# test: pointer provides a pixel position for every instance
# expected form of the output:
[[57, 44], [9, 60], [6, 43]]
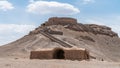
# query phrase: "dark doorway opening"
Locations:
[[58, 54]]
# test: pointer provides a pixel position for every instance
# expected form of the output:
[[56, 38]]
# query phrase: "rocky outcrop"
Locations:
[[72, 24], [99, 29]]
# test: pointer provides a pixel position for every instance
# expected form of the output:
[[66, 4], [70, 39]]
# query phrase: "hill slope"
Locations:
[[101, 42]]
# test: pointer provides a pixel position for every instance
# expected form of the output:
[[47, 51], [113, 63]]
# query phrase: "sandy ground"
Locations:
[[26, 63]]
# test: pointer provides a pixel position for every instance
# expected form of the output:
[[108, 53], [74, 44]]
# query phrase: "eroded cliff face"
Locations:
[[72, 24]]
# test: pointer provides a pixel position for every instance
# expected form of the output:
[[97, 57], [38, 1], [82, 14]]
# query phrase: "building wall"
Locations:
[[68, 54], [41, 55], [75, 54]]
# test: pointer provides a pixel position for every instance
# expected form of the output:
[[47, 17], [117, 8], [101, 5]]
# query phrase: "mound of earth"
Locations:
[[99, 40]]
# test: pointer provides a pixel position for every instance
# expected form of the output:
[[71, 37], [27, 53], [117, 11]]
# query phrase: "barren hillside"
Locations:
[[99, 40]]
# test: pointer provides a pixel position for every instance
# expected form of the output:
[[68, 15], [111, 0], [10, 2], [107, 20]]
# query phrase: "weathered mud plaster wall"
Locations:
[[60, 53]]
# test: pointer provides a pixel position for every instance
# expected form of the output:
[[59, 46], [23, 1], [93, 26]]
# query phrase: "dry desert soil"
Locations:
[[26, 63]]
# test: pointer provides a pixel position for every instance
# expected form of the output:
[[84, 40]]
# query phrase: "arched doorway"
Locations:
[[58, 54]]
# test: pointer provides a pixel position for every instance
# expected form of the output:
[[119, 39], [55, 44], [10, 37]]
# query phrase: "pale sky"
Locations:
[[18, 17]]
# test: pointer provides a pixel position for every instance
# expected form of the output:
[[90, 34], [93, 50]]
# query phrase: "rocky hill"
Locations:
[[99, 40], [72, 24]]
